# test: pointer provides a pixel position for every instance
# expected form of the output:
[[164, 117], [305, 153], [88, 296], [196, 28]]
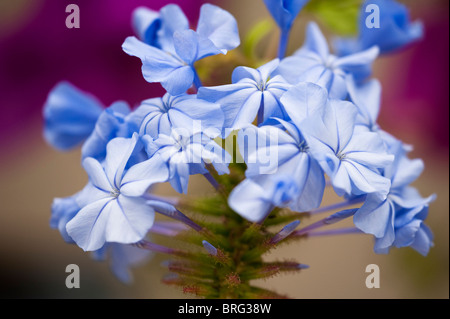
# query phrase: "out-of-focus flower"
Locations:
[[121, 259], [395, 30], [70, 116], [397, 220]]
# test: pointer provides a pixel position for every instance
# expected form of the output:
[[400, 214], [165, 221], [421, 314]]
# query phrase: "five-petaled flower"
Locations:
[[113, 209]]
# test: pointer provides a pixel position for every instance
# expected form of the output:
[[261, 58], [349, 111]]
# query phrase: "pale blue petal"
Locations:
[[173, 19], [219, 26], [248, 111], [242, 72], [313, 190], [89, 226], [267, 69], [375, 215], [315, 42], [129, 220], [118, 153], [423, 240], [209, 114], [247, 200], [141, 176], [365, 180], [303, 100], [110, 124], [186, 45], [97, 175], [159, 66], [340, 117], [367, 97]]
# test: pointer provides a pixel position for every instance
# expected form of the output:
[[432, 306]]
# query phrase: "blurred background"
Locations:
[[37, 51]]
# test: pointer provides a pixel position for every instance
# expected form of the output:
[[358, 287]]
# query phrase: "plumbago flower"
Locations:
[[253, 93], [216, 34], [301, 123], [397, 220], [113, 207]]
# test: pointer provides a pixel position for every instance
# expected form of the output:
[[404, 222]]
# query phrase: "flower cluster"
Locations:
[[303, 124]]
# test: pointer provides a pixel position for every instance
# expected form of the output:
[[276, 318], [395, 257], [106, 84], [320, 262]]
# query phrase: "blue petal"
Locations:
[[119, 151], [231, 99], [219, 26], [313, 189], [172, 20], [158, 66], [303, 100], [247, 200], [423, 240], [315, 42], [367, 97], [110, 124], [129, 220], [141, 176], [88, 227], [70, 116], [375, 215], [97, 175], [146, 23]]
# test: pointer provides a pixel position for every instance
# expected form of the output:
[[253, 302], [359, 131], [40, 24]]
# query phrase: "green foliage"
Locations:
[[241, 247], [341, 16]]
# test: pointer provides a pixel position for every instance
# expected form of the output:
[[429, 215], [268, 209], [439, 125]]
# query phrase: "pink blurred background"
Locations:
[[37, 51]]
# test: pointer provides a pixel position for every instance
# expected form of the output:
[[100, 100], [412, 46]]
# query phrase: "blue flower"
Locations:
[[351, 159], [113, 122], [160, 115], [272, 151], [395, 31], [216, 34], [186, 155], [314, 63], [252, 93], [255, 198], [70, 116], [397, 220], [121, 258], [112, 206]]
